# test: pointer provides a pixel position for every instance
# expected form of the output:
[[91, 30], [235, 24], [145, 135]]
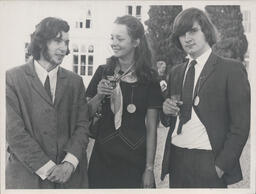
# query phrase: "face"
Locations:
[[122, 44], [193, 42], [56, 49], [162, 68]]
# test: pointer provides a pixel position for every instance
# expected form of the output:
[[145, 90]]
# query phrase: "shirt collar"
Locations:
[[201, 60], [42, 73]]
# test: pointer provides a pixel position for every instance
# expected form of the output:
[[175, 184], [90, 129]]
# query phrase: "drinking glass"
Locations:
[[112, 80], [177, 99]]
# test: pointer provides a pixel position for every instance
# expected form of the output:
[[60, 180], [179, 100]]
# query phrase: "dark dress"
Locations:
[[119, 156]]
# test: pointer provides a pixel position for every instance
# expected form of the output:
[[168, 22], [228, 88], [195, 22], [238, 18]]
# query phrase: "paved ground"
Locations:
[[161, 136]]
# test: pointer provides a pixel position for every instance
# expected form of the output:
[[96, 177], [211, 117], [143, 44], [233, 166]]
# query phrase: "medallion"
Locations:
[[196, 101], [131, 108]]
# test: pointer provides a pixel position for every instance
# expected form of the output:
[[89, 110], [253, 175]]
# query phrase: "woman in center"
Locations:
[[129, 97]]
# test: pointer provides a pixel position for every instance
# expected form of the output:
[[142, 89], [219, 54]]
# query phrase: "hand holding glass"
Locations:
[[112, 80], [176, 99]]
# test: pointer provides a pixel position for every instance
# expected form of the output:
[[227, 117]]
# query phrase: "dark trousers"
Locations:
[[193, 168]]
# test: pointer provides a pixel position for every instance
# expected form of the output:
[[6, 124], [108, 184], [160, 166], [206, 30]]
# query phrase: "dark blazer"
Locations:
[[38, 130], [224, 109]]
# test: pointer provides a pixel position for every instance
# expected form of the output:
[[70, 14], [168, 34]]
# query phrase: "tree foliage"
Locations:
[[159, 31], [228, 21]]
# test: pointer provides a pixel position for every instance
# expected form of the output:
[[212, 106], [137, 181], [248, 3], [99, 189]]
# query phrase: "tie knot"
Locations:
[[192, 63]]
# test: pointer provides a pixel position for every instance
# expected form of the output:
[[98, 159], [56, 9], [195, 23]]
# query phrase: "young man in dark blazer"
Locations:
[[46, 116], [209, 125]]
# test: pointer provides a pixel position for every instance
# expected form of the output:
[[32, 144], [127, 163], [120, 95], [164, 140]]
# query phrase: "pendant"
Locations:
[[131, 108], [196, 101]]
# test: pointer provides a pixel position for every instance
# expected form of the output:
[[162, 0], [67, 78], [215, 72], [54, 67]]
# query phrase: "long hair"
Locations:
[[184, 22], [46, 30], [142, 56]]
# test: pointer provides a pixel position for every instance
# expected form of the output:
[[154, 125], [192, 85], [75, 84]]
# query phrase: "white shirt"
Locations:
[[42, 75], [193, 135]]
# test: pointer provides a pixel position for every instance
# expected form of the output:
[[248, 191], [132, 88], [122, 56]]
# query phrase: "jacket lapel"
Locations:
[[35, 82], [208, 69], [178, 78], [61, 86]]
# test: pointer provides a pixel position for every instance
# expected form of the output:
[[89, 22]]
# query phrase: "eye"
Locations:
[[58, 40], [193, 30]]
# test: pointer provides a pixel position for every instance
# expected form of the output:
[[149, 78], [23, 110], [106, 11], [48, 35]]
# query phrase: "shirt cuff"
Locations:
[[71, 159], [43, 172]]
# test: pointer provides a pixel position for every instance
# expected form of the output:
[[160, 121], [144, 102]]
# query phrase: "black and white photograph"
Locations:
[[115, 96]]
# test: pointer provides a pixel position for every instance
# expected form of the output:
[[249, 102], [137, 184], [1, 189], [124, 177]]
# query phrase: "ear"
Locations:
[[136, 43]]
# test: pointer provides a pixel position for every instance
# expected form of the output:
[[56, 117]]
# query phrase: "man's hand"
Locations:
[[219, 171], [61, 173], [148, 179], [170, 107]]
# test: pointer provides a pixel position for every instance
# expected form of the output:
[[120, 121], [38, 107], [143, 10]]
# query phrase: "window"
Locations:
[[82, 69], [75, 59], [90, 60], [129, 10], [83, 59], [90, 70], [87, 23], [75, 69], [138, 10], [89, 13], [91, 49], [81, 24], [83, 63]]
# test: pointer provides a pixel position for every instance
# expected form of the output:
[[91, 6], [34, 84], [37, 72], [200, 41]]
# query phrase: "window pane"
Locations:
[[89, 14], [88, 23], [82, 70], [138, 10], [130, 10], [81, 24], [90, 49], [75, 59], [83, 59], [90, 70], [75, 69], [90, 60]]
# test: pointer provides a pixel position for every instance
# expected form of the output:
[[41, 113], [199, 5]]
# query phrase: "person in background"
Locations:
[[162, 75], [46, 116], [207, 110], [127, 90]]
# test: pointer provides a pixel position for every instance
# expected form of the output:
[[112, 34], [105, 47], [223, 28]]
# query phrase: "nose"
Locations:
[[113, 42], [187, 37]]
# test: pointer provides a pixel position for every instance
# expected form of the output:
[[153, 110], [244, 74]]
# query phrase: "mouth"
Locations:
[[60, 55], [190, 46], [115, 49]]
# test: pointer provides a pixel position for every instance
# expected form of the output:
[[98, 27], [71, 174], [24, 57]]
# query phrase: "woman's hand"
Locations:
[[104, 88], [148, 179]]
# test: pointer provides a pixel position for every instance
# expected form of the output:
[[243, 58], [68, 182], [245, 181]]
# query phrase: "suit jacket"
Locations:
[[38, 130], [224, 109]]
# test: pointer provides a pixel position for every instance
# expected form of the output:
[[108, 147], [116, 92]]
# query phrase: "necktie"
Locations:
[[48, 87], [187, 92]]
